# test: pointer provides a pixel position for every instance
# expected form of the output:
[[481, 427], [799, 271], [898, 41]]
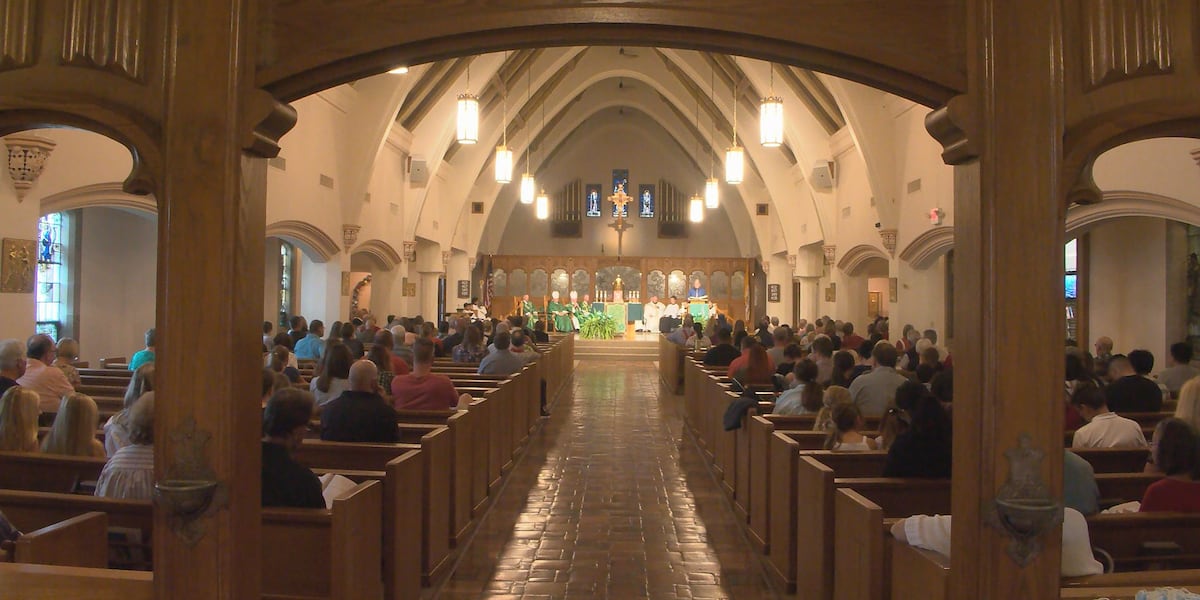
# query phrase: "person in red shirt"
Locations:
[[384, 338], [1173, 454], [422, 389], [850, 340], [753, 367]]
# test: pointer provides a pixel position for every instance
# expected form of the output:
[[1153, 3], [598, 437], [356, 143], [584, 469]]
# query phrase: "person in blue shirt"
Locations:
[[312, 346], [145, 355]]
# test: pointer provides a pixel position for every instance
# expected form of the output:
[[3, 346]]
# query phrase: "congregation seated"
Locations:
[[753, 367], [268, 327], [1080, 491], [284, 340], [471, 349], [791, 355], [1188, 407], [521, 345], [333, 374], [874, 391], [821, 353], [781, 337], [74, 430], [68, 354], [129, 474], [398, 366], [1179, 368], [684, 334], [501, 360], [357, 350], [429, 332], [832, 396], [382, 359], [19, 420], [400, 348], [845, 434], [145, 355], [298, 328], [722, 353], [116, 430], [454, 336], [539, 333], [925, 449], [1173, 454], [1104, 429], [1131, 390], [49, 383], [311, 346], [933, 533], [286, 482], [360, 414], [422, 388], [279, 364], [12, 363], [806, 397]]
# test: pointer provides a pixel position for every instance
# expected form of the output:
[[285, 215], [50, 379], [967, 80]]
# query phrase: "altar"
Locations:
[[624, 313]]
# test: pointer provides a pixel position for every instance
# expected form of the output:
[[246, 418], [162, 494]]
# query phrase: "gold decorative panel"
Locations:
[[18, 33], [106, 34], [17, 265], [1125, 39]]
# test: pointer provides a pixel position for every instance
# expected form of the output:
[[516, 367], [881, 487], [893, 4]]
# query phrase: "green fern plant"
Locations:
[[598, 326]]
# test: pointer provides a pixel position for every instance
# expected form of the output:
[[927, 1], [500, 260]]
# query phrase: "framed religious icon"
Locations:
[[773, 291], [620, 179], [592, 198], [19, 261], [646, 201], [831, 293], [464, 288]]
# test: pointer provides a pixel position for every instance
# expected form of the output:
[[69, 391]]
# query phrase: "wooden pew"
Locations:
[[1114, 460], [310, 537], [80, 541], [46, 472], [46, 582]]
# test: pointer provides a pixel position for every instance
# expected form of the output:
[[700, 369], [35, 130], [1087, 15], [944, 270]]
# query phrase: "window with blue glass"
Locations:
[[51, 274], [287, 275]]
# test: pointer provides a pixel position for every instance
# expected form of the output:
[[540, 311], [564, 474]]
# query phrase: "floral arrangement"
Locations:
[[597, 326]]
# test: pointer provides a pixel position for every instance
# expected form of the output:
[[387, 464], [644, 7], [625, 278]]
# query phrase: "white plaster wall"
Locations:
[[1135, 290], [646, 151], [310, 151], [117, 275], [1162, 166], [922, 298]]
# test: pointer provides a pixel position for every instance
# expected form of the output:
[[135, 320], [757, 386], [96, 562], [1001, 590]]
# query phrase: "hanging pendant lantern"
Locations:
[[542, 208], [528, 187], [504, 164], [735, 164], [696, 209], [468, 118], [770, 119], [712, 193]]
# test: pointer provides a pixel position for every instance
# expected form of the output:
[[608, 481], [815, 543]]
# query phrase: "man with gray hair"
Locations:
[[41, 376], [12, 364], [400, 349]]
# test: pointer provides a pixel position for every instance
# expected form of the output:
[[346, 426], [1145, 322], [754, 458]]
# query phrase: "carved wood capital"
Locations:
[[955, 127], [268, 120]]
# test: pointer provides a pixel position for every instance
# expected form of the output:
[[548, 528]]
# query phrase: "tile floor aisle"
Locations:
[[611, 501]]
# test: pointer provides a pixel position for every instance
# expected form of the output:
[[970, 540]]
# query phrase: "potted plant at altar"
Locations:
[[597, 326]]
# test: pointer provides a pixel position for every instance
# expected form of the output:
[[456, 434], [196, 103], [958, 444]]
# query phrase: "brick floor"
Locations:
[[611, 501]]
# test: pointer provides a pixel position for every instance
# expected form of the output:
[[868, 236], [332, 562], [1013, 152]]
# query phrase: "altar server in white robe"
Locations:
[[651, 313]]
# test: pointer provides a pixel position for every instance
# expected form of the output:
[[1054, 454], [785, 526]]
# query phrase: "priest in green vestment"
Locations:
[[558, 311], [528, 311], [584, 308]]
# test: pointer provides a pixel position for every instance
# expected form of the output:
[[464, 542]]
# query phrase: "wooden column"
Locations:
[[210, 289], [1008, 317]]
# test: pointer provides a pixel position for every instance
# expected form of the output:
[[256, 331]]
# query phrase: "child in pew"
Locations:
[[19, 420], [806, 397], [129, 474], [933, 533], [1173, 453], [116, 430], [286, 482], [834, 395], [845, 436], [74, 430]]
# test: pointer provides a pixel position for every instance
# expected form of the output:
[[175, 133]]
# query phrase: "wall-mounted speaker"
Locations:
[[823, 175], [418, 169]]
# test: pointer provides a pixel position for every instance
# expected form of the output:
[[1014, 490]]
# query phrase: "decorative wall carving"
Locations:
[[889, 240], [445, 258], [1196, 156], [27, 155], [16, 266], [830, 252], [105, 34], [410, 251], [1126, 38], [791, 260], [18, 29], [350, 235]]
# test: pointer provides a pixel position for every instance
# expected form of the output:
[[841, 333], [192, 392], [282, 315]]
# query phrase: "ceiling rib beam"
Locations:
[[436, 92]]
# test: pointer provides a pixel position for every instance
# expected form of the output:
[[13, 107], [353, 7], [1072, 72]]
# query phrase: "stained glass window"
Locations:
[[51, 274], [287, 273]]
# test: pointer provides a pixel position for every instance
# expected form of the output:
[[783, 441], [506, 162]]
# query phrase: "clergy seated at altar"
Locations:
[[652, 314], [558, 311], [528, 312], [671, 314]]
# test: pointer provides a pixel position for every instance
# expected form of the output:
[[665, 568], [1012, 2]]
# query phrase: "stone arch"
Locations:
[[110, 195], [853, 262], [928, 247], [316, 244], [382, 252], [1127, 203]]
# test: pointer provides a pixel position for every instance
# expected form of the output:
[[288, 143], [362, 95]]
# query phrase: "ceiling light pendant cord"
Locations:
[[712, 130]]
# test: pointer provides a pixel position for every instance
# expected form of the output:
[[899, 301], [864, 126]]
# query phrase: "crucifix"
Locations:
[[620, 200]]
